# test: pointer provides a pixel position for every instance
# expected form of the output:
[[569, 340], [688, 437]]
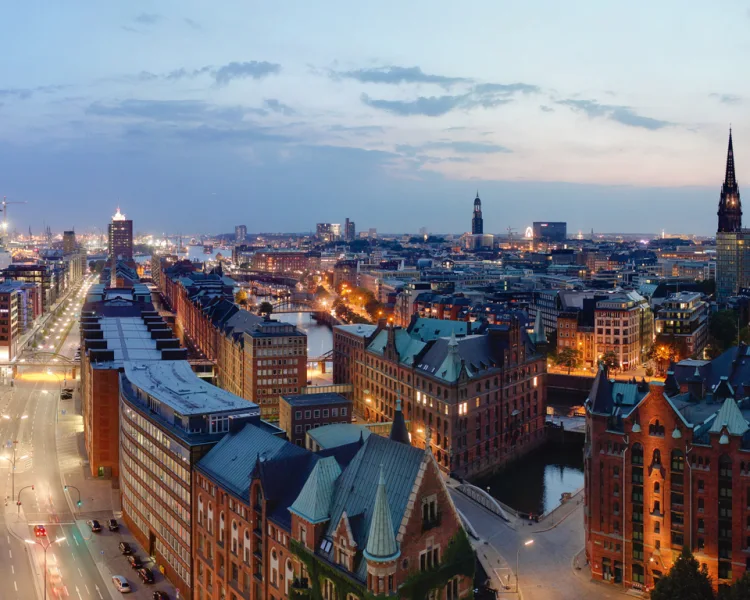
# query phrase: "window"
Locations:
[[656, 460], [298, 414], [334, 412], [343, 412], [316, 413], [325, 413], [308, 414]]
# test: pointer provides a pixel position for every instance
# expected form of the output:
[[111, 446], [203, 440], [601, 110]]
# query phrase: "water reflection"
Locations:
[[535, 482], [319, 337]]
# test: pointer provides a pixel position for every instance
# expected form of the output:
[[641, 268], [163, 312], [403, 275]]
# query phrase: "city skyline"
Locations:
[[185, 107]]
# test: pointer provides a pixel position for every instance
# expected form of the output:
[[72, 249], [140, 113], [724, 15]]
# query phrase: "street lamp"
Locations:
[[45, 547], [518, 559], [56, 376], [12, 460]]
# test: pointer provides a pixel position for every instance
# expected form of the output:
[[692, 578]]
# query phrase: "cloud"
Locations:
[[222, 75], [148, 18], [620, 114], [505, 89], [130, 29], [727, 98], [243, 70], [26, 93], [192, 24], [359, 129], [544, 108], [396, 75], [184, 111], [276, 106], [460, 147]]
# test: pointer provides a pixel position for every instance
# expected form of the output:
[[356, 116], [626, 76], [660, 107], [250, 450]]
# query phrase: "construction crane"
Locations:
[[5, 212]]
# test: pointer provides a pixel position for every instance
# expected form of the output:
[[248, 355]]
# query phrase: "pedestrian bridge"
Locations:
[[484, 499]]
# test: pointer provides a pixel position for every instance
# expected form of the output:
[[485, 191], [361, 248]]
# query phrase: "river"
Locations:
[[319, 337]]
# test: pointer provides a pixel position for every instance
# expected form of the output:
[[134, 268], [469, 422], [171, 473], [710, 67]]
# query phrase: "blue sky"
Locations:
[[198, 116]]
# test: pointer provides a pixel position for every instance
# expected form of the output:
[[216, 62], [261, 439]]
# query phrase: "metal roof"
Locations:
[[314, 501], [338, 434]]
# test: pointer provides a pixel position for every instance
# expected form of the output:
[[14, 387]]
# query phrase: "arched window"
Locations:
[[210, 518], [329, 590], [656, 460], [274, 568], [235, 537], [221, 527], [246, 547], [288, 575], [200, 510], [657, 487], [616, 489]]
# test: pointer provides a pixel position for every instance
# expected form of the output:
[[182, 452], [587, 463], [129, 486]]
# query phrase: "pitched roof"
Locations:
[[314, 501], [338, 434], [381, 539], [729, 416]]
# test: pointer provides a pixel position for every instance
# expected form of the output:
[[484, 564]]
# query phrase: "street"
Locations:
[[79, 563], [546, 565]]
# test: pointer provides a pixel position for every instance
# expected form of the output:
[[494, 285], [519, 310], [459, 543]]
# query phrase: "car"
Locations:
[[40, 531], [95, 526], [146, 575], [113, 525], [59, 590], [159, 595], [121, 584], [125, 548], [65, 396], [134, 562], [53, 574]]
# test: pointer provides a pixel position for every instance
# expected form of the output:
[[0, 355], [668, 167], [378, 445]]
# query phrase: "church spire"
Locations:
[[730, 207]]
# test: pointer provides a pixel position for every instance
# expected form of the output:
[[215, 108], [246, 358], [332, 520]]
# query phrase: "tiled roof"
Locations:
[[314, 501], [232, 461]]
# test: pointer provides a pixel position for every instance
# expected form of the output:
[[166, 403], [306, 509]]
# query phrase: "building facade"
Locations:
[[625, 326], [477, 222], [240, 233], [474, 393], [11, 304], [547, 231], [300, 413], [120, 236], [280, 261], [665, 468], [350, 231], [682, 325]]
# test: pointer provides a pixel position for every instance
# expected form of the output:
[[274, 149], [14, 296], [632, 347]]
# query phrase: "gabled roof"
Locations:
[[729, 416], [314, 501]]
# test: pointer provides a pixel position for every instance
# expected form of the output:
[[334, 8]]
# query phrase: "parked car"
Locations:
[[134, 562], [113, 525], [159, 595], [121, 584], [95, 526], [146, 575], [126, 548]]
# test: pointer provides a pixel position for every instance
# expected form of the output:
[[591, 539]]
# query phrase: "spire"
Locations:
[[381, 540], [729, 178], [540, 335], [399, 433]]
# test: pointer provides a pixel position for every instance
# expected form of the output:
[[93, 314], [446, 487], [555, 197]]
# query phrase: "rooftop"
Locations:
[[315, 399], [174, 383], [129, 339], [338, 434]]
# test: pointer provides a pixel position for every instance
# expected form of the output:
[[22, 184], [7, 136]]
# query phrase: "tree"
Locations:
[[610, 360], [722, 329], [241, 297], [739, 590], [685, 580], [569, 358], [265, 308]]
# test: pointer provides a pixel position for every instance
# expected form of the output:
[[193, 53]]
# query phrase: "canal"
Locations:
[[535, 483], [319, 337]]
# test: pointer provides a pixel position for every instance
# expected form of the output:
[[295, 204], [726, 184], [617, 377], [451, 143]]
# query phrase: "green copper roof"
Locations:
[[729, 415], [381, 541], [314, 501]]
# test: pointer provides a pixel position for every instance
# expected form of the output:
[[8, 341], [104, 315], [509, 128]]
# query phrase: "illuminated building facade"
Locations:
[[120, 233]]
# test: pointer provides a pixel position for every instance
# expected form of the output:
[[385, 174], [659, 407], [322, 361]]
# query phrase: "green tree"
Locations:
[[265, 308], [739, 590], [569, 358], [685, 580], [722, 329], [610, 360]]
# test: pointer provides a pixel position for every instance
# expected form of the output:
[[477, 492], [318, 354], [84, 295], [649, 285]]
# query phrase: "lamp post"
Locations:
[[56, 376], [518, 559], [69, 487], [45, 547], [12, 460]]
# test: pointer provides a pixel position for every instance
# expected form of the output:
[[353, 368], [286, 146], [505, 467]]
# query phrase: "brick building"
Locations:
[[282, 261], [300, 413], [371, 517], [480, 389], [666, 467]]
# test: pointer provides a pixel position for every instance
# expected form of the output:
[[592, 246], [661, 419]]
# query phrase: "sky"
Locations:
[[197, 116]]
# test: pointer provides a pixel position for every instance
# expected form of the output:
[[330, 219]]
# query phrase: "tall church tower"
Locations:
[[477, 222], [730, 207]]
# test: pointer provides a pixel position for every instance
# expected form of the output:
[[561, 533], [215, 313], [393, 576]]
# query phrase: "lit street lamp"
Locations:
[[518, 558], [45, 547]]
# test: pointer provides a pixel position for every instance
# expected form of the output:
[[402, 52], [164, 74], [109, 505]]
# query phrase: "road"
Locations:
[[546, 566]]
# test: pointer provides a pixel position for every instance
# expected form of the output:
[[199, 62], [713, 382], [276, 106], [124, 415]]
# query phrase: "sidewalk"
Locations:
[[582, 570], [554, 518], [501, 574]]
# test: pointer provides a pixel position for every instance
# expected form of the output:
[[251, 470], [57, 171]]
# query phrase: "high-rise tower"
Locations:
[[730, 208], [120, 232], [477, 222]]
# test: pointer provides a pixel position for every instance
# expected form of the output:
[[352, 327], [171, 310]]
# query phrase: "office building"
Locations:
[[732, 252], [240, 233], [324, 232], [70, 246], [624, 325], [11, 302], [281, 261], [169, 420], [350, 232], [346, 272], [299, 413], [477, 222], [682, 325], [666, 468], [120, 234], [546, 231], [38, 274], [474, 393]]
